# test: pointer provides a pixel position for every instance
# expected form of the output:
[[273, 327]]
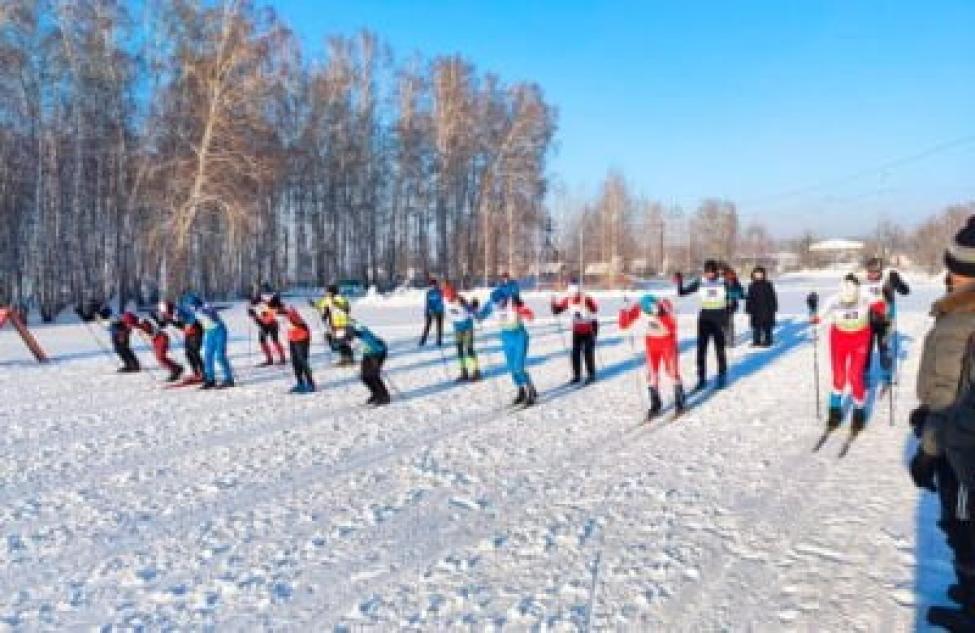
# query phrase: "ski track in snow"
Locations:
[[127, 505]]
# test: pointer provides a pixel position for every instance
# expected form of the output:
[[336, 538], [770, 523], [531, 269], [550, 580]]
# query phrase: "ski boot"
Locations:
[[834, 419], [531, 396], [590, 380], [299, 388], [655, 404], [267, 363], [310, 387], [175, 373], [464, 377], [722, 381], [373, 398], [476, 375], [575, 380], [680, 400], [521, 397], [227, 383], [702, 383], [859, 420], [208, 384]]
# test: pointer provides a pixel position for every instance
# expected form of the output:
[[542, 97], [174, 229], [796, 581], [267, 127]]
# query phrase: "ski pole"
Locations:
[[98, 341], [893, 369], [812, 301]]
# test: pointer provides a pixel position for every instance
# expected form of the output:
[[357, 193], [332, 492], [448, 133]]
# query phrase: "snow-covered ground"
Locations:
[[129, 505]]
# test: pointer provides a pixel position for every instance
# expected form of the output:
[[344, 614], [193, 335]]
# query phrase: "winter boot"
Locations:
[[227, 383], [680, 400], [532, 395], [575, 380], [702, 383], [476, 375], [655, 404], [859, 420], [268, 359], [175, 373], [591, 379], [722, 381], [208, 384], [299, 388], [834, 419], [521, 397], [464, 377]]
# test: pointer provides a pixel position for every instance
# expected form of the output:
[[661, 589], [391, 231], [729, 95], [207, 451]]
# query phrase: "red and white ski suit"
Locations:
[[849, 340], [660, 339]]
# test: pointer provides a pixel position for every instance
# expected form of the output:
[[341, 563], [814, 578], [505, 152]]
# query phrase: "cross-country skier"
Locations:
[[167, 313], [660, 339], [848, 317], [714, 296], [761, 304], [263, 309], [461, 315], [512, 313], [735, 293], [433, 312], [945, 458], [373, 351], [160, 347], [585, 328], [119, 330], [299, 344], [214, 341], [335, 311], [882, 291]]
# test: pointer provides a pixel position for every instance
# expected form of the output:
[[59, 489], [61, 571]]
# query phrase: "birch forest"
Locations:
[[151, 147]]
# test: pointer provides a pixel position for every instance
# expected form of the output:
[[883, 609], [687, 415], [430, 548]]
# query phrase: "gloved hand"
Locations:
[[894, 278], [919, 417], [922, 470], [251, 312], [679, 278]]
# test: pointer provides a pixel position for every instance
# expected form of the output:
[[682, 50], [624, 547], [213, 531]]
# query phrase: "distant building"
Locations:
[[837, 252]]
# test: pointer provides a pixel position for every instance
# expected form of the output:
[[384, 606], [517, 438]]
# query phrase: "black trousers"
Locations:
[[879, 338], [429, 319], [340, 342], [267, 331], [762, 333], [193, 344], [299, 362], [372, 367], [583, 346], [120, 343], [708, 330]]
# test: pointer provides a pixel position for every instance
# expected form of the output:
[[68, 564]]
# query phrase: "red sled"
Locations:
[[8, 315]]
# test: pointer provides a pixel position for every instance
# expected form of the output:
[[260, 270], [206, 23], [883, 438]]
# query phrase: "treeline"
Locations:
[[150, 147]]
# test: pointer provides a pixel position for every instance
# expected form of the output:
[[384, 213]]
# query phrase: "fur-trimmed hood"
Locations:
[[961, 299]]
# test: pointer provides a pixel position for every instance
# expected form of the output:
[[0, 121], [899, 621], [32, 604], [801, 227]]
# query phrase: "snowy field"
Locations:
[[127, 505]]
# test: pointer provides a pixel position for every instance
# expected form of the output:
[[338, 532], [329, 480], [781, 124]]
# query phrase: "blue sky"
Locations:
[[790, 108]]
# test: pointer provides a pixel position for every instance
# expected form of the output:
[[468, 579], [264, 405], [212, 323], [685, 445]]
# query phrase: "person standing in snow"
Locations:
[[373, 350], [585, 326], [512, 314], [882, 291], [160, 347], [433, 312], [299, 344], [945, 458], [848, 317], [461, 315], [336, 313], [263, 309], [761, 304], [167, 313], [735, 294], [214, 341], [660, 340], [712, 320], [119, 330]]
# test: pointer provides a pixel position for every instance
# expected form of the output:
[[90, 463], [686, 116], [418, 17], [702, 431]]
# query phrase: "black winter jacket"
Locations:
[[761, 303]]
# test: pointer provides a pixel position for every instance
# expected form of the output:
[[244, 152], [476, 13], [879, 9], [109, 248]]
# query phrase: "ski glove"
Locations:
[[919, 417], [923, 469]]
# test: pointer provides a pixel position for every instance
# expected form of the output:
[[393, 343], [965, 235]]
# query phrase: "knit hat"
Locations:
[[960, 254]]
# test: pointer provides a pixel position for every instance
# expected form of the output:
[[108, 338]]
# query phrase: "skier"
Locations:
[[168, 313], [433, 312], [461, 315], [735, 294], [263, 310], [119, 330], [942, 378], [214, 341], [660, 340], [882, 293], [512, 313], [299, 344], [335, 311], [160, 347], [712, 319], [373, 350], [585, 328], [761, 304], [848, 316]]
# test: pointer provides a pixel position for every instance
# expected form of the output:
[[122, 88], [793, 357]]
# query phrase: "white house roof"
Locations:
[[837, 245]]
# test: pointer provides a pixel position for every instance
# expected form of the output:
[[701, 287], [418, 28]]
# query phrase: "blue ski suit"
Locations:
[[214, 338], [514, 336]]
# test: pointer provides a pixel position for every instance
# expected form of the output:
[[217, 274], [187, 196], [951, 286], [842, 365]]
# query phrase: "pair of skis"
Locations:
[[848, 443]]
